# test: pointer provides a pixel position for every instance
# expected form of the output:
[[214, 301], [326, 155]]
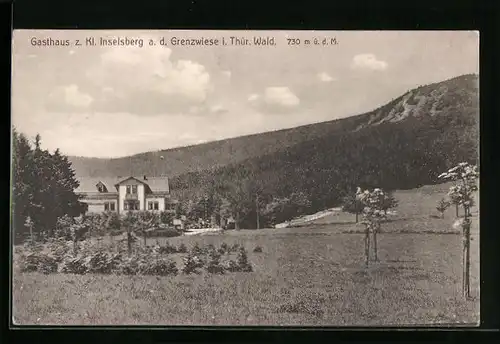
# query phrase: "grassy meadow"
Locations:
[[308, 276]]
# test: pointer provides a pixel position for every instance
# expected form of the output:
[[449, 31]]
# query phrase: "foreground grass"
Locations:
[[302, 277]]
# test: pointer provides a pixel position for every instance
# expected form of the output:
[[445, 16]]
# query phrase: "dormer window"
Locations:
[[101, 187], [134, 189], [129, 188]]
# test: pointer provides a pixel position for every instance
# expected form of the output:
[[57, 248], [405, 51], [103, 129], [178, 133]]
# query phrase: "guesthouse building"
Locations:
[[125, 194]]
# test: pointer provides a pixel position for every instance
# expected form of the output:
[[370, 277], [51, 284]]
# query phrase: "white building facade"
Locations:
[[126, 194]]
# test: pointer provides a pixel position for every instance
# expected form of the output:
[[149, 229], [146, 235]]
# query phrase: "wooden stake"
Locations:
[[367, 246], [375, 244], [257, 210]]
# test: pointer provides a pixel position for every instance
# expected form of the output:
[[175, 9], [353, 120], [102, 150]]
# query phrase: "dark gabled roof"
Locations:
[[157, 184], [89, 184], [120, 181]]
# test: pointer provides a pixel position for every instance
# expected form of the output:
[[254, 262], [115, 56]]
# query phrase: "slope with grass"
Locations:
[[304, 276]]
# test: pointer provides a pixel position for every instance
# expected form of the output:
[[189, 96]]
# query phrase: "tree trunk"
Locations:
[[257, 210], [32, 237], [129, 242], [144, 237], [375, 244], [466, 271], [456, 209], [356, 217], [367, 246], [237, 222], [112, 242]]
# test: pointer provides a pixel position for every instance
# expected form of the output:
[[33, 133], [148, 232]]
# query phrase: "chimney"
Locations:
[[145, 178]]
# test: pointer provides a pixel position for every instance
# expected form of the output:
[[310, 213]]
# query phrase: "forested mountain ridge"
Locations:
[[389, 148], [440, 99], [403, 144], [209, 155]]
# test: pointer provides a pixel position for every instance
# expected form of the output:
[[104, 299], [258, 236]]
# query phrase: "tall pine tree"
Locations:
[[43, 187], [21, 187]]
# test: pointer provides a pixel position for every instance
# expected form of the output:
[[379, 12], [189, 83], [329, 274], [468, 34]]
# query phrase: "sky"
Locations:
[[102, 101]]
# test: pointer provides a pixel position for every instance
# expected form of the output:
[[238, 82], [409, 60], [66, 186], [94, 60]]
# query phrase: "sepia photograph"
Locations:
[[245, 178]]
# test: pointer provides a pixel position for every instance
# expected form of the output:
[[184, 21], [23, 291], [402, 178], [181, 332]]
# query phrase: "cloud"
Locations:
[[281, 96], [218, 109], [253, 97], [227, 73], [274, 100], [64, 97], [325, 77], [368, 62], [148, 81], [71, 52]]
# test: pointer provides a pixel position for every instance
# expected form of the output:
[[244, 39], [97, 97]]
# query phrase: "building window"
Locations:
[[153, 205], [101, 188], [131, 205], [134, 189], [128, 189], [109, 206]]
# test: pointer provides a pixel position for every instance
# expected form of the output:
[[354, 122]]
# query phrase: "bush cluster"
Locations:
[[210, 258], [38, 261], [149, 260]]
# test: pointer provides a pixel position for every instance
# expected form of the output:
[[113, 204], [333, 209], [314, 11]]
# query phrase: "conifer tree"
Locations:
[[43, 186]]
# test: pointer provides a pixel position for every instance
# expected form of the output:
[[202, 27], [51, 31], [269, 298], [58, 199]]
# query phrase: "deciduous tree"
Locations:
[[464, 177]]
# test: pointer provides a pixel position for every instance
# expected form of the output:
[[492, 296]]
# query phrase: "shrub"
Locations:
[[235, 248], [63, 227], [158, 267], [224, 248], [196, 250], [59, 248], [242, 261], [167, 218], [113, 223], [351, 204], [257, 249], [129, 266], [442, 206], [209, 248], [182, 248], [28, 247], [115, 232], [37, 261], [231, 266], [103, 262], [167, 249], [213, 263], [191, 264], [73, 265]]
